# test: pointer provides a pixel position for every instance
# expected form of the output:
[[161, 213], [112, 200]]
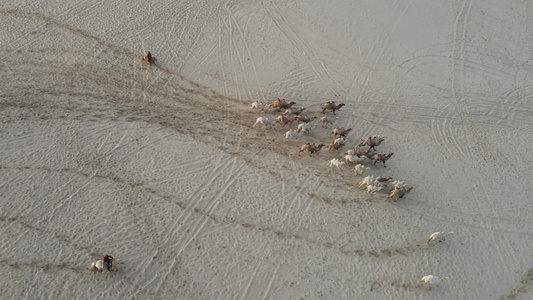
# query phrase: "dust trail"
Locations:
[[92, 251], [208, 213], [44, 266], [169, 100], [408, 285]]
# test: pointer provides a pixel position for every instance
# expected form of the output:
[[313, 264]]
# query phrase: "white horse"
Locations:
[[98, 266]]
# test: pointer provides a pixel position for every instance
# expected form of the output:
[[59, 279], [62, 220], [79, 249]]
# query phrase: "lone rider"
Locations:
[[108, 259]]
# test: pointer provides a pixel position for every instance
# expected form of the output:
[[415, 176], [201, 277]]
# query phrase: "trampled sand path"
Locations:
[[160, 165]]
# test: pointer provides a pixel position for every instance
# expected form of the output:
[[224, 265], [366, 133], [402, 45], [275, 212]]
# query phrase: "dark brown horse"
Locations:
[[149, 58]]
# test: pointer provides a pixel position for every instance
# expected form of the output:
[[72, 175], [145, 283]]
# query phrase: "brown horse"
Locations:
[[149, 58]]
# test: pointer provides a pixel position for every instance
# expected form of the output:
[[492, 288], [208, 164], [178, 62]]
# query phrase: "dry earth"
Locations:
[[160, 166]]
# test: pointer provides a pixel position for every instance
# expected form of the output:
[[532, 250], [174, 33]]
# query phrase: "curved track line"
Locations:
[[457, 71], [199, 225], [289, 31]]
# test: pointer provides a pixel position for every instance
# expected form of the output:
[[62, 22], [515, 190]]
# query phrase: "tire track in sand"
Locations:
[[235, 22], [194, 200], [457, 76], [200, 223], [164, 84], [226, 90], [476, 145], [45, 18], [297, 40]]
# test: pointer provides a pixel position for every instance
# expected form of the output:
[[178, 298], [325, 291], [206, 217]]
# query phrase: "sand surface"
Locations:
[[160, 166]]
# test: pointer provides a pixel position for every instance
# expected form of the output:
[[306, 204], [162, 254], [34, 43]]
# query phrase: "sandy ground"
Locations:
[[160, 166]]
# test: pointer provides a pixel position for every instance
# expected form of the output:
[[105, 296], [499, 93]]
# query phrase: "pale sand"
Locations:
[[160, 167]]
